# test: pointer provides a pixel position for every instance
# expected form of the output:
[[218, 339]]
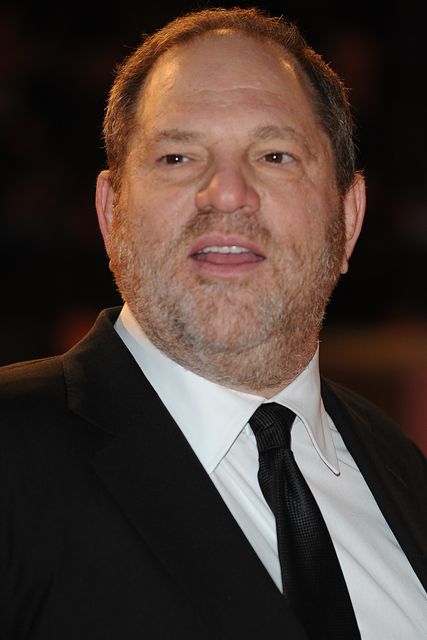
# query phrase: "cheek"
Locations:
[[296, 211], [159, 211]]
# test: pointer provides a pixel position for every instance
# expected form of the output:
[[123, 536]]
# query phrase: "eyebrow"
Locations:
[[263, 132], [273, 131], [175, 135]]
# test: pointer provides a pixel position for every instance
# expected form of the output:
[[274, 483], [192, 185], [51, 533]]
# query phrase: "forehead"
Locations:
[[226, 70]]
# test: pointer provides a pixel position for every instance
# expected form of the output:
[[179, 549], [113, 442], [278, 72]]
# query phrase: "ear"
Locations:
[[354, 212], [104, 201]]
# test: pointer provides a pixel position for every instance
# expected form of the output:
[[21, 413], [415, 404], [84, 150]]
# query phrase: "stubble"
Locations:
[[235, 333]]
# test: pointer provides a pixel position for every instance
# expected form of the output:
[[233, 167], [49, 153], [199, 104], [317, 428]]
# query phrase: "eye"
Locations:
[[174, 158], [278, 157]]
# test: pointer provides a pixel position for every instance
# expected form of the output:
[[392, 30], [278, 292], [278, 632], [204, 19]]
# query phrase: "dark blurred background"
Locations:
[[56, 66]]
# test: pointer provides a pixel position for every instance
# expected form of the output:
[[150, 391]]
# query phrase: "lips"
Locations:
[[226, 251]]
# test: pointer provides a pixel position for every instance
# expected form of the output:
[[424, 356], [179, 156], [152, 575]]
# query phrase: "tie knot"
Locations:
[[271, 424]]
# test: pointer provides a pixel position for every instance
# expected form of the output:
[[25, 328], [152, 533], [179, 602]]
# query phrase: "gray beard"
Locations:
[[229, 332]]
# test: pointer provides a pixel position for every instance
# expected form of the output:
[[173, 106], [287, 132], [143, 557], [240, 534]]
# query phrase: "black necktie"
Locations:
[[313, 582]]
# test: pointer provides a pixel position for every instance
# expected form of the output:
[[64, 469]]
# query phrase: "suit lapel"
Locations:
[[395, 474], [162, 489]]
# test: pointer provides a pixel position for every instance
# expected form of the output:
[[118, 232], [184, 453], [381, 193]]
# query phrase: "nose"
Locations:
[[227, 191]]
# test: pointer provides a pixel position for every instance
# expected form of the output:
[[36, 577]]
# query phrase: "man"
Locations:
[[131, 506]]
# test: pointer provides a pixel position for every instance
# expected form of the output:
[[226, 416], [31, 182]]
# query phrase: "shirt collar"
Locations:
[[211, 416]]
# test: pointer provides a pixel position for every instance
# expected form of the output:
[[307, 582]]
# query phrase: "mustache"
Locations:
[[226, 223]]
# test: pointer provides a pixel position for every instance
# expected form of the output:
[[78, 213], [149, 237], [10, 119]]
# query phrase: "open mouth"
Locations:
[[227, 254]]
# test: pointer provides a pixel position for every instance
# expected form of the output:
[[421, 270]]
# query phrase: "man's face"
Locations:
[[228, 234]]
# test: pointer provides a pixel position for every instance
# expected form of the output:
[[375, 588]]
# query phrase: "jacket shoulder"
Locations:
[[26, 384], [354, 401]]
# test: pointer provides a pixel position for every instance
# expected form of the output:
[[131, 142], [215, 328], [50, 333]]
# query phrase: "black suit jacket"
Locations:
[[111, 529]]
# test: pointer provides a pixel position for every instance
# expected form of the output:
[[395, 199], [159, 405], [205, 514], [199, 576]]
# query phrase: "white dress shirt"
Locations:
[[388, 599]]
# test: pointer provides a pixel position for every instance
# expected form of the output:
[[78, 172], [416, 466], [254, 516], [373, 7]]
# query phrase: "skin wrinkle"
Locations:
[[256, 332], [331, 111], [261, 133], [267, 132], [284, 59]]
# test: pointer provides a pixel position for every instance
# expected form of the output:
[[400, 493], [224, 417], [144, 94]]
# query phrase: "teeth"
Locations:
[[217, 249]]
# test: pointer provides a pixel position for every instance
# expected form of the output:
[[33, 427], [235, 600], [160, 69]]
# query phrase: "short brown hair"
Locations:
[[328, 92]]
